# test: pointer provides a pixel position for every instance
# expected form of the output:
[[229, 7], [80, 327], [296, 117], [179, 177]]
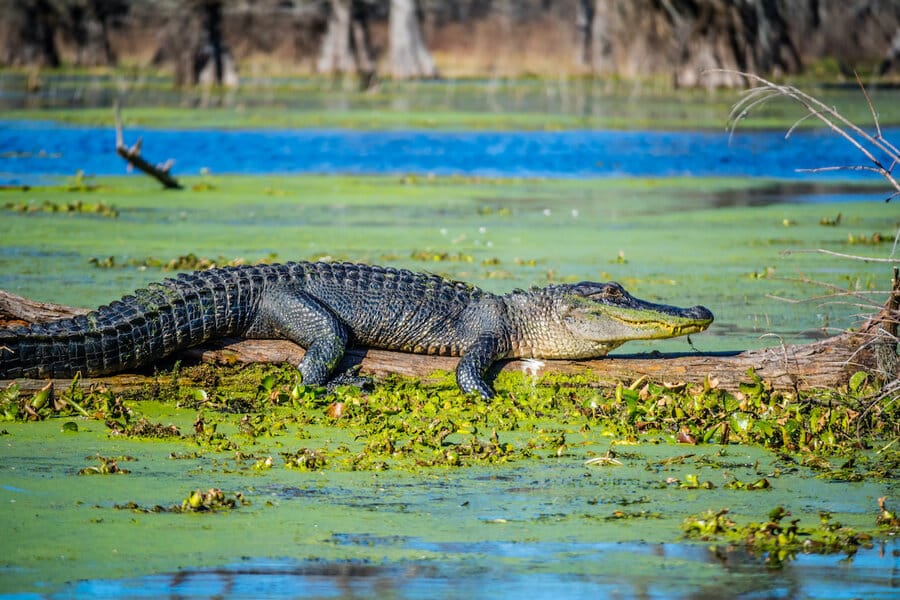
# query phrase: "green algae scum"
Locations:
[[254, 480], [231, 480], [228, 480]]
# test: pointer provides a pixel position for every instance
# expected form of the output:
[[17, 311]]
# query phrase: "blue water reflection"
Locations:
[[30, 149], [513, 570]]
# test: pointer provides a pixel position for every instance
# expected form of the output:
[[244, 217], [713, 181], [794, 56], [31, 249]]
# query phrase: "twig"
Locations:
[[866, 144], [842, 255], [133, 156]]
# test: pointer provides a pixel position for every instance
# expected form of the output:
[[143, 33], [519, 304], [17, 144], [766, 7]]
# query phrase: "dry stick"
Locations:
[[842, 255], [133, 156]]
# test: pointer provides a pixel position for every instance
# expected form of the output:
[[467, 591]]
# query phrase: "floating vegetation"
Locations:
[[212, 500], [500, 211], [869, 240], [98, 403], [107, 466], [766, 273], [433, 256], [185, 262], [77, 207], [304, 459], [831, 221], [778, 542], [198, 501], [144, 428], [403, 423]]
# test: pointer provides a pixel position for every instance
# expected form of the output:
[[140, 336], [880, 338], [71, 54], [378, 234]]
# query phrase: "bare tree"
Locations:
[[584, 21], [345, 48], [30, 29], [638, 37], [409, 55], [90, 22], [193, 41]]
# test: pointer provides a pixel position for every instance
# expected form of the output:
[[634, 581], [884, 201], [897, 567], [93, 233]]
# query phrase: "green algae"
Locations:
[[415, 473], [410, 473], [390, 463]]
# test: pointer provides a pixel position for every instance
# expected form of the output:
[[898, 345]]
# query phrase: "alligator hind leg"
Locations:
[[307, 322]]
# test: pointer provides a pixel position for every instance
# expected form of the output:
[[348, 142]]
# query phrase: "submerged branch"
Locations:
[[133, 156]]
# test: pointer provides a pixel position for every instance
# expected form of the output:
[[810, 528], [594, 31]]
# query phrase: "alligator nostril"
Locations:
[[700, 313]]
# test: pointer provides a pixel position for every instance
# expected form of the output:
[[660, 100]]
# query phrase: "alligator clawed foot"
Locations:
[[350, 377]]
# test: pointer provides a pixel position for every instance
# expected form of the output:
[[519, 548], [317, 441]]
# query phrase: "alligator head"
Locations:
[[589, 319], [606, 313]]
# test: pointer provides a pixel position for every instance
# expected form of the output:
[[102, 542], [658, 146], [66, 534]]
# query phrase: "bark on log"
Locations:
[[824, 364]]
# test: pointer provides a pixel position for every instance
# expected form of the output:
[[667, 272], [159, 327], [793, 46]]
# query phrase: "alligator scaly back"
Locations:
[[137, 330], [324, 307]]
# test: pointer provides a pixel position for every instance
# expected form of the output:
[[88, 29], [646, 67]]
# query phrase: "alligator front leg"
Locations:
[[475, 362], [306, 322]]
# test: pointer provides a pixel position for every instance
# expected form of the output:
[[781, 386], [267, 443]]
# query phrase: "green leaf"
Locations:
[[70, 427], [858, 380]]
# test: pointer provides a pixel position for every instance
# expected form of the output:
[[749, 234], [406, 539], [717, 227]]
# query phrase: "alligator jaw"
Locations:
[[608, 316], [663, 322]]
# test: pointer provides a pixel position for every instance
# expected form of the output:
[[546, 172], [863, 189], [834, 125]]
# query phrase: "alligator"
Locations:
[[324, 307]]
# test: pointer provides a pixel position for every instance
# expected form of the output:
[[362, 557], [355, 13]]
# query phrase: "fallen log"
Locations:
[[823, 364]]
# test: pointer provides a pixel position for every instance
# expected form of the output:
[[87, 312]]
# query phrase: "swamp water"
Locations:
[[542, 526], [481, 210]]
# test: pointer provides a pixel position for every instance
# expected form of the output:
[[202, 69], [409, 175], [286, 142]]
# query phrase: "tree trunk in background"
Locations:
[[90, 24], [409, 56], [192, 40], [345, 46], [335, 55], [29, 30], [638, 38], [892, 57], [584, 19], [212, 51]]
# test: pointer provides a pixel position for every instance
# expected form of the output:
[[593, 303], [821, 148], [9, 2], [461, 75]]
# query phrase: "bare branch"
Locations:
[[840, 168], [842, 255], [133, 156], [869, 102], [863, 141]]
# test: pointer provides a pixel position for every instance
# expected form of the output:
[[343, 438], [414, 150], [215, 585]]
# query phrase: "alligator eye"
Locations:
[[611, 291]]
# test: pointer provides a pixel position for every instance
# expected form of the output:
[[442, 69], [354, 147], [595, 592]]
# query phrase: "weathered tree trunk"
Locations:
[[345, 48], [584, 20], [824, 364], [643, 37], [29, 30], [193, 42], [410, 58]]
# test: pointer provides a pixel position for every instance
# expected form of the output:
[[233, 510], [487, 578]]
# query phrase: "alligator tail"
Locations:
[[128, 333]]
